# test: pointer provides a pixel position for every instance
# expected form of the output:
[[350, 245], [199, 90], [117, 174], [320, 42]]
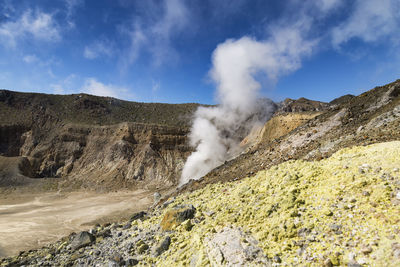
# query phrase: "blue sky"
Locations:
[[162, 50]]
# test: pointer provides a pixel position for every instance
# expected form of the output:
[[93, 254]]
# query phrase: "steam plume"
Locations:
[[236, 64]]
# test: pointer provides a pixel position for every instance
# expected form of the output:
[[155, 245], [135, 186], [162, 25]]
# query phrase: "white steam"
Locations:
[[236, 65]]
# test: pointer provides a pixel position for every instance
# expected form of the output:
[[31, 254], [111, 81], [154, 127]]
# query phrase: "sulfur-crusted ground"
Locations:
[[343, 210]]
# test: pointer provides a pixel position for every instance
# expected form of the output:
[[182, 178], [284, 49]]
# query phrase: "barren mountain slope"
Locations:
[[371, 117]]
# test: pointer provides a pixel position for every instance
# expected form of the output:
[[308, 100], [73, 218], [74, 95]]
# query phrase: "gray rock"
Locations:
[[132, 262], [112, 263], [186, 213], [82, 239], [366, 250], [167, 203], [138, 215], [105, 233], [327, 263], [277, 259], [117, 258], [209, 213], [232, 247], [366, 193], [335, 227], [157, 197], [163, 246], [141, 246]]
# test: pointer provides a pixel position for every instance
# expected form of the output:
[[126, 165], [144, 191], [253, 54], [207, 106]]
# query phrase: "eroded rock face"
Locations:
[[112, 156], [97, 142]]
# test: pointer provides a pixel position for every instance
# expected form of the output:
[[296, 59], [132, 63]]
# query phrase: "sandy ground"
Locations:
[[32, 221]]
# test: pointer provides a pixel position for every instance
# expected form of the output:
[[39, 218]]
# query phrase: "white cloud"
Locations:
[[173, 21], [73, 84], [64, 86], [71, 6], [328, 5], [37, 25], [370, 21], [137, 39], [30, 59], [154, 32], [155, 86], [94, 87], [98, 49]]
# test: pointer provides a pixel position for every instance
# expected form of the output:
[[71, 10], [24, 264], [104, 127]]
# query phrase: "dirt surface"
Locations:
[[32, 221]]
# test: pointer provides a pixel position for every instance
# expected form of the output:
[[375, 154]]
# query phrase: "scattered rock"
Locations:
[[327, 263], [177, 216], [335, 227], [117, 258], [82, 239], [303, 232], [167, 203], [163, 246], [127, 226], [157, 197], [396, 250], [329, 213], [138, 215], [104, 233], [362, 261], [233, 248], [277, 259], [141, 246], [209, 213], [188, 225], [132, 262], [112, 263], [366, 250], [366, 193]]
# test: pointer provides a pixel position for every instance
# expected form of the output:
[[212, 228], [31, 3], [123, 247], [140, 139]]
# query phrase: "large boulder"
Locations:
[[232, 247], [82, 240]]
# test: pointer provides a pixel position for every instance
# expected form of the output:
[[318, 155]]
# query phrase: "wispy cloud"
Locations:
[[154, 31], [37, 25], [328, 5], [98, 48], [95, 87], [71, 6], [30, 59], [65, 86], [370, 21], [73, 84]]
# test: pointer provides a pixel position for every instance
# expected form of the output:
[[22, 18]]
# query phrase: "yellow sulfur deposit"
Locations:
[[341, 210]]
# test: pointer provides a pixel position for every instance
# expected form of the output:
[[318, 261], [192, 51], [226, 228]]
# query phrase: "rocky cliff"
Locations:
[[91, 142]]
